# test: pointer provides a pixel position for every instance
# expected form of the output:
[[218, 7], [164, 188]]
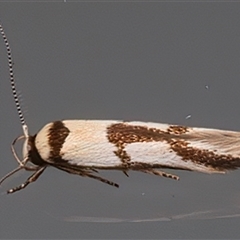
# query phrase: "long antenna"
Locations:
[[13, 85]]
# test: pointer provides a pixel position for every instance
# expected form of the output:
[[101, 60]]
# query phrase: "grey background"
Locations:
[[133, 61]]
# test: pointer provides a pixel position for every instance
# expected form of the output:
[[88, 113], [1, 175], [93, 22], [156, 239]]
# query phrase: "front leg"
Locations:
[[31, 179]]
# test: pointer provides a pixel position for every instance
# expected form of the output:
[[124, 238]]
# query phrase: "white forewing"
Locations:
[[87, 144]]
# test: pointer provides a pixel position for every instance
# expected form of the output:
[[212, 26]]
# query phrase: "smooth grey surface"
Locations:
[[134, 61]]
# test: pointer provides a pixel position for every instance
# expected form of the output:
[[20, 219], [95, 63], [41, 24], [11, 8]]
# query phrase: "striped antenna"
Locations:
[[13, 85]]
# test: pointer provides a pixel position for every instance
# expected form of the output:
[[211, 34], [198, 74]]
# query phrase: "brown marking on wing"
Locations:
[[58, 132], [175, 129], [122, 134]]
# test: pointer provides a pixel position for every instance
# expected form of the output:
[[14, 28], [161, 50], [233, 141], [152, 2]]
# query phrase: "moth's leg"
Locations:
[[99, 179], [20, 167], [94, 170], [10, 174], [159, 173], [86, 173], [31, 179]]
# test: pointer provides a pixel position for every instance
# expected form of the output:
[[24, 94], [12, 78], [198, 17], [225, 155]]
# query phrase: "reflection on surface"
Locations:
[[234, 212]]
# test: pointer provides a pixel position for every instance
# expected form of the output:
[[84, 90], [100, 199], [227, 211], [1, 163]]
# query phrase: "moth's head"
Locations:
[[29, 150]]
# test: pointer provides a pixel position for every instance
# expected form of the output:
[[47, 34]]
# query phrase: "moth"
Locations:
[[83, 147]]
